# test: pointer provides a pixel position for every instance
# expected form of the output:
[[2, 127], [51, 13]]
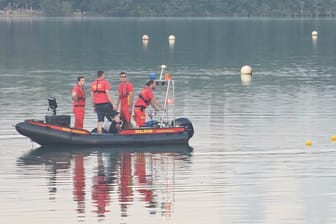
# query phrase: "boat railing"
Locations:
[[167, 83]]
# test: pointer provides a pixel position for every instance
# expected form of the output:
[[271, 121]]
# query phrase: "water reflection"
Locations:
[[104, 179], [100, 188], [79, 182]]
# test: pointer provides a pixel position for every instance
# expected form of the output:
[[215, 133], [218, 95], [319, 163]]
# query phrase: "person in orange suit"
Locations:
[[145, 98], [125, 99], [78, 102]]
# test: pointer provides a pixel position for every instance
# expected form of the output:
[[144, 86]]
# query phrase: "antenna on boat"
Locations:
[[170, 91], [52, 104], [163, 67]]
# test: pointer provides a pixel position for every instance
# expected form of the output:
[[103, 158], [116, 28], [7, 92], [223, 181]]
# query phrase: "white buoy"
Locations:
[[314, 39], [314, 33], [171, 43], [246, 70], [145, 43], [246, 79], [171, 37], [145, 37]]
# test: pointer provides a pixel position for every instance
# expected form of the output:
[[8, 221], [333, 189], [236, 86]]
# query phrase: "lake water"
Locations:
[[249, 163]]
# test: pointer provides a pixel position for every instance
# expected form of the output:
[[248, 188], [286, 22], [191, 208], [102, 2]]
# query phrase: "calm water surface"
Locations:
[[249, 162]]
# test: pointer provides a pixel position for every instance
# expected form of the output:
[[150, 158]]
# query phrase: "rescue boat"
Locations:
[[166, 130], [51, 134]]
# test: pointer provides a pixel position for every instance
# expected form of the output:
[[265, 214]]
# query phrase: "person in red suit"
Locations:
[[145, 98], [78, 102], [103, 102], [125, 99]]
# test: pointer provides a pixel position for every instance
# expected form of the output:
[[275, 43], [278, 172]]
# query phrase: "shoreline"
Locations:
[[30, 13]]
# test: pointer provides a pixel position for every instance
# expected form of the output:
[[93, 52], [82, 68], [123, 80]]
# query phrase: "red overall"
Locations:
[[79, 106], [124, 89], [142, 102]]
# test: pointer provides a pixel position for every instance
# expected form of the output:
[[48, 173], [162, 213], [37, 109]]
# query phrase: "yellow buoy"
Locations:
[[308, 143], [333, 138], [246, 70]]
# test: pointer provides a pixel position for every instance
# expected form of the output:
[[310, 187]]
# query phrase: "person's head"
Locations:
[[81, 80], [151, 83], [100, 74], [123, 76]]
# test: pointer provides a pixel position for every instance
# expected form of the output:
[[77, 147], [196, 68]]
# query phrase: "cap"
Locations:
[[152, 76]]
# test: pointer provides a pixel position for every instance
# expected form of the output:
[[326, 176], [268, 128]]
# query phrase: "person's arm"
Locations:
[[92, 97], [109, 97], [118, 97], [74, 96], [155, 103], [118, 100], [130, 106], [93, 104]]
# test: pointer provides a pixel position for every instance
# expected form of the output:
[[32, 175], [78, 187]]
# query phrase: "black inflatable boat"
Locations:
[[45, 133], [56, 130]]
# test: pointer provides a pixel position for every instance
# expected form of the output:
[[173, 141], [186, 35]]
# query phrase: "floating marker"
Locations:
[[171, 37], [145, 43], [314, 33], [246, 70], [308, 143], [333, 138], [145, 37], [245, 78]]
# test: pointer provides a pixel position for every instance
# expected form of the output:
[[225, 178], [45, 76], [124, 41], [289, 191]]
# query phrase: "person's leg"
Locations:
[[137, 116], [100, 127], [116, 119], [140, 116], [79, 117], [108, 111], [76, 115], [112, 115], [100, 117], [125, 116]]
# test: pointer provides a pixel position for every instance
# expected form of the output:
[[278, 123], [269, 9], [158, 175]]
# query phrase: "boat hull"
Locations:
[[45, 134]]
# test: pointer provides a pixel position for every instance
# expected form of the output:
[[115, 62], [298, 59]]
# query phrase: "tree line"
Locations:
[[174, 8]]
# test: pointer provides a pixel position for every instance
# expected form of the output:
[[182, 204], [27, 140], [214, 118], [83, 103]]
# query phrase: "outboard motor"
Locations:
[[60, 120], [184, 122]]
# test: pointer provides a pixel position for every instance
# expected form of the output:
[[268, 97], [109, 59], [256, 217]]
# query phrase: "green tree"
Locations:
[[267, 8], [51, 7]]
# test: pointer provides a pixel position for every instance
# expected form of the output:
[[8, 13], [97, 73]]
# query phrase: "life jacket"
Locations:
[[80, 95], [144, 100], [97, 89], [124, 90]]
